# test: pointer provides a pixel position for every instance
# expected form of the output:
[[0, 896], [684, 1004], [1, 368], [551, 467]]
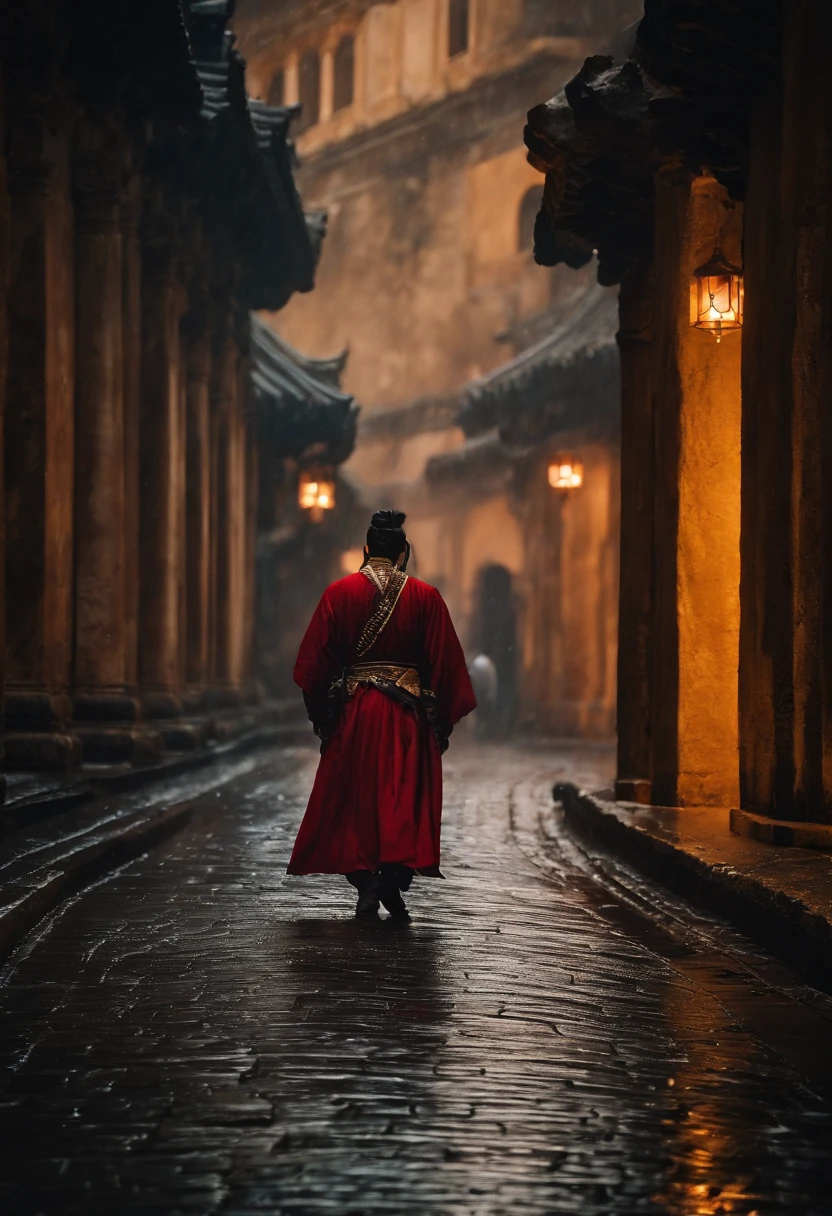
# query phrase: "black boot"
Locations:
[[389, 892], [367, 885]]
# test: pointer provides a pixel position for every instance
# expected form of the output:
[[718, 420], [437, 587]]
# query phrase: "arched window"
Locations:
[[458, 21], [309, 89], [277, 89], [526, 216], [344, 86]]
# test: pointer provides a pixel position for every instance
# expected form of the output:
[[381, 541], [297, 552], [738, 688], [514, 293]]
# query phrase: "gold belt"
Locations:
[[391, 673]]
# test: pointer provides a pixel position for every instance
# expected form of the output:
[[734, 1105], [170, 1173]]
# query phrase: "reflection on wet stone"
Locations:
[[202, 1034]]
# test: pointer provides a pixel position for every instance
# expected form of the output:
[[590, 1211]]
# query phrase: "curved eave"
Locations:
[[572, 372], [240, 165], [296, 412]]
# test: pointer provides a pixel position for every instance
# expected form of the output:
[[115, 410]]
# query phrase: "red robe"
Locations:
[[377, 795]]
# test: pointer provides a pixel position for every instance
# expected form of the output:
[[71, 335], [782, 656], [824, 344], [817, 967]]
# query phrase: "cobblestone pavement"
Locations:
[[201, 1034]]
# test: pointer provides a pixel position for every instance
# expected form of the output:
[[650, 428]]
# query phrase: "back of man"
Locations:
[[385, 681]]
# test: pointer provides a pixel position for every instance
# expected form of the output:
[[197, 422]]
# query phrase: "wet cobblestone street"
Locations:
[[201, 1034]]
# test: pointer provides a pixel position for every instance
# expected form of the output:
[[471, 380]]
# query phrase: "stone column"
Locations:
[[162, 476], [239, 522], [291, 82], [101, 696], [225, 461], [252, 488], [697, 424], [635, 620], [786, 582], [5, 226], [39, 446], [229, 459], [198, 502], [131, 393], [327, 84]]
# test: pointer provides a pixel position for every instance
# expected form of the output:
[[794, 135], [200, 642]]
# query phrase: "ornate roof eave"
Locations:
[[237, 160], [568, 379], [680, 100], [328, 370], [297, 411]]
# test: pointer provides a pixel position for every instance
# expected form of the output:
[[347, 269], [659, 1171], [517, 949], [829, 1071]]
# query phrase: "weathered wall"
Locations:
[[638, 479], [423, 178], [569, 589], [421, 266], [695, 655]]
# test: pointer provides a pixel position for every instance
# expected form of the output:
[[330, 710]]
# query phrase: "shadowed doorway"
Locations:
[[494, 633]]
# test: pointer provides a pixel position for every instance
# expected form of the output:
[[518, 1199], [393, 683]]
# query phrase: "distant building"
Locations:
[[412, 142]]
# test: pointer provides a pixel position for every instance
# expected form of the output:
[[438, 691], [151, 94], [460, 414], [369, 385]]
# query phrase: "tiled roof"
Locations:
[[300, 408]]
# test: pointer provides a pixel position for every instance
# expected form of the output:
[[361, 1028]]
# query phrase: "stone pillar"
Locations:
[[238, 617], [229, 461], [635, 620], [105, 711], [291, 79], [252, 486], [132, 364], [198, 503], [5, 226], [697, 426], [162, 480], [226, 461], [327, 84], [39, 446], [786, 583]]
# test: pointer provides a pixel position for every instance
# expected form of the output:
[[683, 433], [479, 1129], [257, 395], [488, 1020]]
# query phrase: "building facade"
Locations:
[[411, 140]]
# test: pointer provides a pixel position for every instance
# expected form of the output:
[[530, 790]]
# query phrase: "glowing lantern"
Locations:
[[316, 492], [716, 296], [566, 473]]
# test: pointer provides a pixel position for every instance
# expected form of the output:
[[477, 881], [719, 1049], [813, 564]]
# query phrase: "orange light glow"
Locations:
[[316, 492], [566, 474], [716, 297], [351, 560]]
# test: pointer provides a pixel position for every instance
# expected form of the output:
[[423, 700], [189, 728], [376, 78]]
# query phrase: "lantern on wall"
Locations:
[[716, 296], [316, 492], [566, 474]]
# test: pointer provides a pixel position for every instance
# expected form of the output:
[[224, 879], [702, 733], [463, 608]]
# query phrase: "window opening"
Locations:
[[277, 89], [458, 22], [344, 87], [309, 88]]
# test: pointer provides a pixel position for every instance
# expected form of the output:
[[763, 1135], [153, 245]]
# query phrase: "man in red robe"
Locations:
[[384, 680]]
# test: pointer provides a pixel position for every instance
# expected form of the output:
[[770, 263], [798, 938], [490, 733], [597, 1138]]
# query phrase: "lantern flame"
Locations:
[[566, 474], [316, 492], [716, 296]]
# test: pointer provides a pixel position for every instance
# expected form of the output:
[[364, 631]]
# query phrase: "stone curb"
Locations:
[[782, 832], [779, 921], [28, 900]]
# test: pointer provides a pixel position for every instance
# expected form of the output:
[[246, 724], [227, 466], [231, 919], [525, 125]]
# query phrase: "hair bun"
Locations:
[[387, 521]]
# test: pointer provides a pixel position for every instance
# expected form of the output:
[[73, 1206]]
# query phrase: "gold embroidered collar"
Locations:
[[390, 582], [378, 570]]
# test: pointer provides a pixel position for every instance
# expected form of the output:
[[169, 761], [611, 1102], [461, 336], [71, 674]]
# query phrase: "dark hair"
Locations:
[[385, 535]]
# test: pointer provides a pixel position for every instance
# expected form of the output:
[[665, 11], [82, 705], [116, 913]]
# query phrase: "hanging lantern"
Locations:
[[716, 296], [316, 492], [566, 473]]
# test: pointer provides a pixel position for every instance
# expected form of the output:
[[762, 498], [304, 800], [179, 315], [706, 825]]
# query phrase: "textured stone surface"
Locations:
[[202, 1034], [781, 895]]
